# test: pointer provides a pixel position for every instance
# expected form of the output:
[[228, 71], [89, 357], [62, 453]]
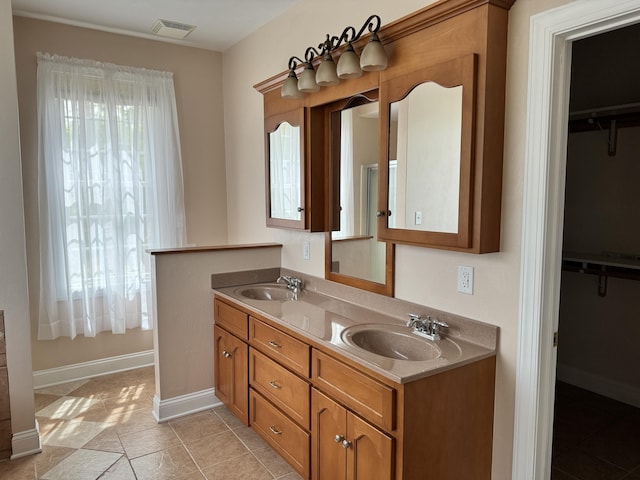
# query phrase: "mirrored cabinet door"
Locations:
[[354, 255], [285, 170], [427, 133]]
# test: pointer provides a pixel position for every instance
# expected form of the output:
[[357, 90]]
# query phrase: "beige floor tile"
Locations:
[[290, 476], [129, 402], [73, 433], [106, 441], [132, 422], [82, 465], [148, 441], [50, 457], [171, 463], [250, 438], [19, 469], [227, 417], [62, 389], [245, 468], [197, 426], [213, 449], [67, 408], [273, 461], [121, 470], [43, 399]]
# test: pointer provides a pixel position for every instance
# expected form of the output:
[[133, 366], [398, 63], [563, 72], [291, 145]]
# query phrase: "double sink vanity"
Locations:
[[335, 376], [346, 392]]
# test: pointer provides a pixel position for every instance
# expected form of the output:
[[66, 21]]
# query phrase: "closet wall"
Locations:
[[600, 322]]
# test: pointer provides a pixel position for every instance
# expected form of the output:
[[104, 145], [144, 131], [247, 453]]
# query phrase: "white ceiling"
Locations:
[[220, 23]]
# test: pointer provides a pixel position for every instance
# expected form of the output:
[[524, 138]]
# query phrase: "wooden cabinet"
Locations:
[[441, 34], [332, 418], [346, 447], [284, 435], [230, 372]]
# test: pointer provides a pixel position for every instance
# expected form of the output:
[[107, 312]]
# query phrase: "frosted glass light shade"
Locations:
[[373, 56], [307, 81], [349, 64], [290, 87], [326, 75]]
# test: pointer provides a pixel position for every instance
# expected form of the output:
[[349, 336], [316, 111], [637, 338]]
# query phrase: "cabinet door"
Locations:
[[328, 427], [370, 452], [231, 376]]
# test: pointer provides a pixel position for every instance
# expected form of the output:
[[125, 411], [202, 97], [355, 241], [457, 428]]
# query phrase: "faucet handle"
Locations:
[[413, 319], [439, 323]]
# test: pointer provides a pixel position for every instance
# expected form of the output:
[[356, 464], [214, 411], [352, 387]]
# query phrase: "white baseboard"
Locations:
[[25, 443], [95, 368], [175, 407], [622, 392]]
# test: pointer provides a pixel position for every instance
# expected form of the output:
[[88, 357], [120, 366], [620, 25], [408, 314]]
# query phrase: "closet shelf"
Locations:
[[607, 264]]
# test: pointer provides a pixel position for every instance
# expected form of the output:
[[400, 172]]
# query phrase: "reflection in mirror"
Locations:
[[355, 250], [284, 172], [424, 151]]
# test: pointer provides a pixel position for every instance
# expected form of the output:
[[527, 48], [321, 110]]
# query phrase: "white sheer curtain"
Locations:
[[347, 216], [110, 187]]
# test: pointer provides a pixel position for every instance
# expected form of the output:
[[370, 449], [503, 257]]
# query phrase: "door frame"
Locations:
[[551, 35]]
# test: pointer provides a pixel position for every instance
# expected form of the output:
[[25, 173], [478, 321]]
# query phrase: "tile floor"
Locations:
[[103, 428], [595, 437]]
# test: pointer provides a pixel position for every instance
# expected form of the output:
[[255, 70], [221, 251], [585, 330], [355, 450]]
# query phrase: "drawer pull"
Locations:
[[274, 384], [275, 431], [226, 354], [274, 344]]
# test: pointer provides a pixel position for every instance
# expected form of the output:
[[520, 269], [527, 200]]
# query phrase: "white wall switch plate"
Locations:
[[306, 251], [418, 218], [465, 279]]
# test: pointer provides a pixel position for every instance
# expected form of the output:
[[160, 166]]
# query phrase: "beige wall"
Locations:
[[423, 276], [198, 86]]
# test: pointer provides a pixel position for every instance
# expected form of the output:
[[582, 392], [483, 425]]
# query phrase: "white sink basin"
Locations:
[[391, 341], [266, 292]]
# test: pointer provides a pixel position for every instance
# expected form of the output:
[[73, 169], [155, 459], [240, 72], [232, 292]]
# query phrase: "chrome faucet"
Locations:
[[428, 327], [294, 284]]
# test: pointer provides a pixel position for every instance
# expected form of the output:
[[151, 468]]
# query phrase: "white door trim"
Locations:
[[551, 35]]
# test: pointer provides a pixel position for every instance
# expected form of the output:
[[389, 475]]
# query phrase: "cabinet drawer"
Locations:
[[283, 348], [231, 319], [291, 441], [286, 390], [364, 395]]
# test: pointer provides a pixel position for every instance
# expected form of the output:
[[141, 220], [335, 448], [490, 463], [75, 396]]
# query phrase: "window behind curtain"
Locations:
[[110, 187]]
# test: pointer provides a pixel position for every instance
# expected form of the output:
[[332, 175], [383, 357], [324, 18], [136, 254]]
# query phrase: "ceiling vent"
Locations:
[[167, 28]]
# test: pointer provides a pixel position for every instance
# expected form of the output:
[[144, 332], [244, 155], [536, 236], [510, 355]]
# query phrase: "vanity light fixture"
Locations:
[[372, 58]]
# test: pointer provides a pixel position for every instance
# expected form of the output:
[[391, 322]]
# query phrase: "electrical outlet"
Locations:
[[418, 217], [306, 251], [465, 279]]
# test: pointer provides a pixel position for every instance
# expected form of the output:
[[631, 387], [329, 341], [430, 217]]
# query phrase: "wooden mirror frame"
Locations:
[[460, 71], [271, 124], [331, 148]]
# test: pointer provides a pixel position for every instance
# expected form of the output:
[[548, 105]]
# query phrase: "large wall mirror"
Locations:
[[354, 255], [428, 119], [285, 169]]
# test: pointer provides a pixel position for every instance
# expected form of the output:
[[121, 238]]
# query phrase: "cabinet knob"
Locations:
[[339, 438], [274, 430], [346, 443], [274, 384], [226, 354], [380, 213], [300, 209]]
